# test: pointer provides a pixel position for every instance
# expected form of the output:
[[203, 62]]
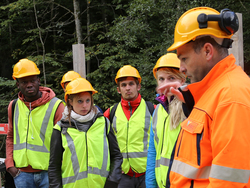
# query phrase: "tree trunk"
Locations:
[[41, 40], [77, 21], [88, 34]]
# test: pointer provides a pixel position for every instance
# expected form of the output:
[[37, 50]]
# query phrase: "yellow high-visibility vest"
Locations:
[[133, 136], [32, 132], [86, 156], [164, 141]]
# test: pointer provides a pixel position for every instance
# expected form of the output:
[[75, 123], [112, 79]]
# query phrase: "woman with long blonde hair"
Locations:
[[165, 122]]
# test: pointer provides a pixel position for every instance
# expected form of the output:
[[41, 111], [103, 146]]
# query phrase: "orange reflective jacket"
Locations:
[[213, 147]]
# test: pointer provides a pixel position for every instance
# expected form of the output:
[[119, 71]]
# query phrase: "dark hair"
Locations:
[[200, 42], [124, 78]]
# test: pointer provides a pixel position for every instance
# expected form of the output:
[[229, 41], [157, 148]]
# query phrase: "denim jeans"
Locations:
[[32, 180]]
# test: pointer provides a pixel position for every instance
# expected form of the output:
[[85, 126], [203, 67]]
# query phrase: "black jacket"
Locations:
[[56, 153]]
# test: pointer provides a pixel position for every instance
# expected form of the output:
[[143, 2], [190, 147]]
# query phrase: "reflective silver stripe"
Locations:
[[74, 159], [135, 154], [216, 171], [84, 174], [114, 124], [230, 174], [103, 172], [163, 161], [97, 171], [16, 113], [154, 120], [189, 171], [19, 146], [146, 128], [91, 170], [47, 117], [72, 179]]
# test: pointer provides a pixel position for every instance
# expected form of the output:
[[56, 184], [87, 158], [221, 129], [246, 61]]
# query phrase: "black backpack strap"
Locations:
[[151, 107], [112, 112], [13, 108]]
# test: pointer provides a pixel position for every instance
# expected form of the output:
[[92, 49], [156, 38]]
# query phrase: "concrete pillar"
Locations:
[[237, 46], [79, 59]]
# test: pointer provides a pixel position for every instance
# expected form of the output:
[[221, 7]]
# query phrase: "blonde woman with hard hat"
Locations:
[[165, 122], [84, 150]]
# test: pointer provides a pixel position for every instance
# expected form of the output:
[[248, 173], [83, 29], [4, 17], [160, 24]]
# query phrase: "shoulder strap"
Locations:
[[151, 107], [112, 112], [13, 107]]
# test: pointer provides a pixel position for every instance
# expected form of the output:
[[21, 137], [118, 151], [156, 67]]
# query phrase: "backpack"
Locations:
[[9, 181]]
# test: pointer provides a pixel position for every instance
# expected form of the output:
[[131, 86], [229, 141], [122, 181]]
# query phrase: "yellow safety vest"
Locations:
[[164, 141], [86, 157], [32, 133], [133, 137]]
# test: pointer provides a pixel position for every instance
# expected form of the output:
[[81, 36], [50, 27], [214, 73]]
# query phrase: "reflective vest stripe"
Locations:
[[162, 161], [16, 113], [91, 170], [216, 171], [189, 171], [18, 145], [154, 120], [146, 127], [230, 174], [114, 124], [134, 155]]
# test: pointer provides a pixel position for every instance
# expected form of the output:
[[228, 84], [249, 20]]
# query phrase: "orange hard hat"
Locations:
[[23, 68], [78, 85], [69, 76], [128, 71]]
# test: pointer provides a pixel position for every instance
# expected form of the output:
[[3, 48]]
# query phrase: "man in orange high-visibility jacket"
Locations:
[[212, 149]]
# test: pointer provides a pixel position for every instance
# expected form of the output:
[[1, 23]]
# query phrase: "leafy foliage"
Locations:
[[115, 33]]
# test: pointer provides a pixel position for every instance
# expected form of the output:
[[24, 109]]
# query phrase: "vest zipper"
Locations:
[[130, 110], [31, 123]]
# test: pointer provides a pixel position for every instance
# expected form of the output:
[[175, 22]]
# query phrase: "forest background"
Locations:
[[114, 32]]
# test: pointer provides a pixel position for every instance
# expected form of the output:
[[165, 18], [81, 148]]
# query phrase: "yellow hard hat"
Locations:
[[69, 76], [78, 85], [188, 27], [168, 60], [23, 68], [127, 71]]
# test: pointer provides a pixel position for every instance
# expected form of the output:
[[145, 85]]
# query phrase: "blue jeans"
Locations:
[[32, 180]]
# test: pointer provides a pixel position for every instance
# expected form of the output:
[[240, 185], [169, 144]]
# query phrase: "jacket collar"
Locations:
[[133, 103], [221, 68]]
